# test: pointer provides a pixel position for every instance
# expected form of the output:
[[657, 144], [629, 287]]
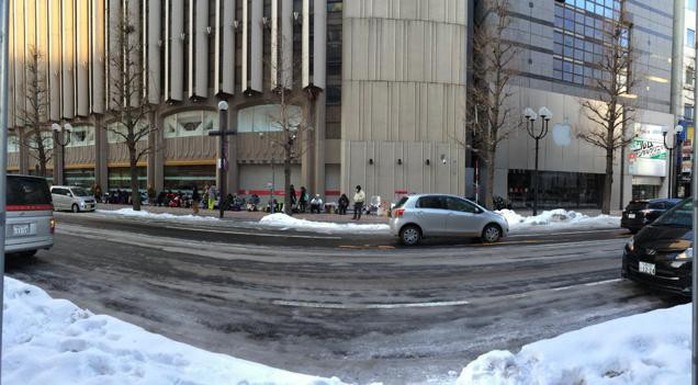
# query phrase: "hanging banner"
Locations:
[[647, 151]]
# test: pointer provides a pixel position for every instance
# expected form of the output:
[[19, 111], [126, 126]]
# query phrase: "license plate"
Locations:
[[19, 230], [631, 216], [647, 268]]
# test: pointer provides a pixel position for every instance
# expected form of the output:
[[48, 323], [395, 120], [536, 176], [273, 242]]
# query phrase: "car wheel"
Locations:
[[75, 208], [491, 233], [410, 235]]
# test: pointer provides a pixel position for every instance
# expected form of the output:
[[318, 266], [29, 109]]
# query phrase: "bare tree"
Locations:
[[129, 108], [34, 134], [292, 121], [612, 108], [489, 117]]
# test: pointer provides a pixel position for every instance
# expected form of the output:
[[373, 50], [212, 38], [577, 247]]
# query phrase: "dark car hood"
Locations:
[[665, 238]]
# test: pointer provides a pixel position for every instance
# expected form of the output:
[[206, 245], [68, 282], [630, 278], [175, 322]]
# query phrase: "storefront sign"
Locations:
[[647, 151]]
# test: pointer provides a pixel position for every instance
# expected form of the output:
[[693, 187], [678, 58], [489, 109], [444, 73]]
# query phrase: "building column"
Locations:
[[155, 160], [101, 153], [233, 181], [319, 145]]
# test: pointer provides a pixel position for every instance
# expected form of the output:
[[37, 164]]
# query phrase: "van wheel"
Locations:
[[410, 235], [75, 208], [491, 233], [28, 254]]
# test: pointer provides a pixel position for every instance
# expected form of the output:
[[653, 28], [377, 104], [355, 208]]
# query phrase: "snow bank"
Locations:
[[558, 219], [650, 348], [166, 216], [284, 221], [50, 341]]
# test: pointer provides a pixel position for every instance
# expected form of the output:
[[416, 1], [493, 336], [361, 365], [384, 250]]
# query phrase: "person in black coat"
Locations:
[[342, 204], [195, 199], [292, 196]]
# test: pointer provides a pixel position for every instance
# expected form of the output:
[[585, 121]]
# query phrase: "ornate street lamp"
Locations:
[[61, 139], [531, 116]]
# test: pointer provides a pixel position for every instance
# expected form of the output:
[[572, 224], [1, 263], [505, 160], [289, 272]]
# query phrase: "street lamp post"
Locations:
[[665, 130], [679, 162], [222, 161], [531, 117], [62, 140]]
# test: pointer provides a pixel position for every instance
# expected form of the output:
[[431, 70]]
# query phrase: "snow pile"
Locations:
[[650, 348], [49, 341], [558, 219], [146, 214], [285, 222]]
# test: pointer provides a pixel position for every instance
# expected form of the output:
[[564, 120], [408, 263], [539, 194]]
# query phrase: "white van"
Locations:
[[73, 198], [30, 224]]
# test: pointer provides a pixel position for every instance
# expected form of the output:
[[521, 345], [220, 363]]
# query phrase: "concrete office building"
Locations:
[[384, 79], [387, 81]]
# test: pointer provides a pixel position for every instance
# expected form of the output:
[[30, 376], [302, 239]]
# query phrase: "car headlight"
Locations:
[[631, 244], [686, 254]]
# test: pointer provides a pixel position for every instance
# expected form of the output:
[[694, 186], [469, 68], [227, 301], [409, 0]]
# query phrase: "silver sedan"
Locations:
[[440, 215]]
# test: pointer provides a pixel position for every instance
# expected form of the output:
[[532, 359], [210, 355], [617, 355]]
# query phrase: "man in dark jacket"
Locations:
[[195, 200], [292, 196]]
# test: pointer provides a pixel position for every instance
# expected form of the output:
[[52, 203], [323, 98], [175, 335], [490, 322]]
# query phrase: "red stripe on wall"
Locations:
[[29, 207], [261, 192]]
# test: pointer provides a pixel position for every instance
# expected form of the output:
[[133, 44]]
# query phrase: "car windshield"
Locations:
[[680, 215], [81, 192]]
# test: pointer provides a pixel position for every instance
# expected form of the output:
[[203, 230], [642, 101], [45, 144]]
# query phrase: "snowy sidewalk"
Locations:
[[547, 221]]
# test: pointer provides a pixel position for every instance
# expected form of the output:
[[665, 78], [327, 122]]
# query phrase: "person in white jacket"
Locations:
[[316, 204], [359, 199]]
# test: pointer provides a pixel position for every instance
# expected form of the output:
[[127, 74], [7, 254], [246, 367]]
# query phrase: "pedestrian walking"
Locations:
[[359, 199], [195, 200]]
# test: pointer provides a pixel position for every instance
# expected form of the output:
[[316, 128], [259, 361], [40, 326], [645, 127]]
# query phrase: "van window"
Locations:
[[27, 191], [81, 192]]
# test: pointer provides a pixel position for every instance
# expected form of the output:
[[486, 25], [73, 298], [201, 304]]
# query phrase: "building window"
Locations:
[[690, 37], [691, 5], [190, 123], [183, 178], [120, 178], [688, 111], [12, 143], [266, 118], [116, 132], [580, 38], [82, 136], [690, 76]]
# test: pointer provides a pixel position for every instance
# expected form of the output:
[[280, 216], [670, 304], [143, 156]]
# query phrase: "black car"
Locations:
[[639, 213], [660, 255]]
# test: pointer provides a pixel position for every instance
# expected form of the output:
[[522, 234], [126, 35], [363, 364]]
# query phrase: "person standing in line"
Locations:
[[292, 196], [195, 199], [212, 197], [302, 200], [359, 198], [343, 204], [316, 204]]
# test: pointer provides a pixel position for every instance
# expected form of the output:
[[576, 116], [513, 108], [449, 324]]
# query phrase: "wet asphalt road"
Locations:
[[358, 307]]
